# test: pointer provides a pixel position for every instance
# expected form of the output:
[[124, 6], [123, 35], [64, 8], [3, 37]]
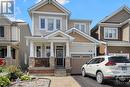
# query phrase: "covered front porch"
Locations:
[[8, 54], [49, 52]]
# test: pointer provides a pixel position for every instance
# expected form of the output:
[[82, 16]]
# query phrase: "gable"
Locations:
[[49, 8], [120, 17], [78, 37]]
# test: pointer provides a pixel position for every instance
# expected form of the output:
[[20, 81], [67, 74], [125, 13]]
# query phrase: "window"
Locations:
[[110, 33], [50, 24], [48, 51], [38, 51], [3, 52], [58, 24], [80, 26], [1, 31], [42, 23]]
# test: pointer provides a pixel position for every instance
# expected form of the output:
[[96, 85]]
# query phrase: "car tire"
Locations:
[[99, 77], [83, 73]]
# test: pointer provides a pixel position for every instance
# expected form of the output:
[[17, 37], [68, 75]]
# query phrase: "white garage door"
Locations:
[[77, 61]]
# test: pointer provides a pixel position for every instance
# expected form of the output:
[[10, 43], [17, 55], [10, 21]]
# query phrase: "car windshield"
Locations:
[[119, 59]]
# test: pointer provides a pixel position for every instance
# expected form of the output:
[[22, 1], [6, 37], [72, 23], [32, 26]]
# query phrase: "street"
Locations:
[[91, 82]]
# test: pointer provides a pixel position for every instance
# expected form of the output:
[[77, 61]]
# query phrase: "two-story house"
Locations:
[[58, 42], [13, 50], [114, 30]]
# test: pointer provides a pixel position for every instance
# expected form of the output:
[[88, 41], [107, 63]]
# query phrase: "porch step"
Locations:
[[60, 72]]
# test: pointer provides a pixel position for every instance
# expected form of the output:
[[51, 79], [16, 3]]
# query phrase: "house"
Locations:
[[114, 30], [13, 50], [58, 43]]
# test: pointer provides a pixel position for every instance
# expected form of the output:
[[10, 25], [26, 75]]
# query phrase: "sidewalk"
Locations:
[[63, 82]]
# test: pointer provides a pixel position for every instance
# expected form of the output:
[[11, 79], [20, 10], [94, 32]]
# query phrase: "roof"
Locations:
[[83, 34], [57, 32], [44, 2], [81, 20], [127, 9]]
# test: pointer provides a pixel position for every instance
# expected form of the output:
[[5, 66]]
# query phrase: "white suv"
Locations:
[[108, 67]]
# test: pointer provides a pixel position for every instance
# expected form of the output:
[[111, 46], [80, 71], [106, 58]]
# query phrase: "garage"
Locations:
[[77, 61]]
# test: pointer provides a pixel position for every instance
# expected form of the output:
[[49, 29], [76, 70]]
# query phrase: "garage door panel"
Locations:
[[77, 62]]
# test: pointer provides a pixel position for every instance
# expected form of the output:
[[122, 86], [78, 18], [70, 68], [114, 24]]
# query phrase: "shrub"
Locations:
[[3, 69], [25, 78], [4, 81], [14, 73]]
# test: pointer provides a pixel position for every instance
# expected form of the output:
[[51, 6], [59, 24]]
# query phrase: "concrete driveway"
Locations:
[[91, 82], [68, 81]]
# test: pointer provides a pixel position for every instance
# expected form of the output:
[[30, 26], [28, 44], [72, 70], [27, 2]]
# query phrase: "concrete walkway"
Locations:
[[63, 82]]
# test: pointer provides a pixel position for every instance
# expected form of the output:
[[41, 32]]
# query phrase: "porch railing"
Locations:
[[42, 62]]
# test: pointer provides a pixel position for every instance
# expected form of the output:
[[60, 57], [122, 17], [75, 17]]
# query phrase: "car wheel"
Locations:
[[83, 73], [99, 77]]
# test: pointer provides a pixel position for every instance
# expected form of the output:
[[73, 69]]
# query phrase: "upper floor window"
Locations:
[[80, 26], [50, 23], [1, 31], [110, 33], [42, 23]]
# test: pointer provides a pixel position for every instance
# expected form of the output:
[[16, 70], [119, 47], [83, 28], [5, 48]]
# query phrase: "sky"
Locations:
[[94, 10]]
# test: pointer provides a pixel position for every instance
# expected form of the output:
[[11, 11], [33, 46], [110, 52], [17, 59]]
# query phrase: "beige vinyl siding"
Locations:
[[7, 33], [79, 38], [38, 32], [49, 8], [23, 49], [119, 17], [126, 33], [81, 48]]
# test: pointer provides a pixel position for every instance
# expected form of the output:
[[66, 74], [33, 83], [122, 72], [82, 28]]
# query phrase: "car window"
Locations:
[[91, 61], [96, 61], [119, 59]]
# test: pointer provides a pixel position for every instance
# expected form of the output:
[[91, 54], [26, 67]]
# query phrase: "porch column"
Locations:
[[67, 49], [9, 52], [52, 59], [52, 49], [31, 59], [9, 60], [68, 59], [31, 49]]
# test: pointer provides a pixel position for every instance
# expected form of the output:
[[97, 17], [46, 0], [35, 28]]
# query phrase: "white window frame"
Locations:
[[110, 28], [46, 23], [80, 26], [36, 50]]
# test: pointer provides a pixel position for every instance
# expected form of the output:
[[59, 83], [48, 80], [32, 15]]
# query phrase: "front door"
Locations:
[[59, 56]]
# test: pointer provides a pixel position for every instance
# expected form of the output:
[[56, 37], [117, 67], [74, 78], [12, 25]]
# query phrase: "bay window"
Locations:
[[110, 33]]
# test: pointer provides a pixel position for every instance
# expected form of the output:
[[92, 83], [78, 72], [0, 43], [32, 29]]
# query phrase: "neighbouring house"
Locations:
[[13, 49], [114, 32], [58, 45]]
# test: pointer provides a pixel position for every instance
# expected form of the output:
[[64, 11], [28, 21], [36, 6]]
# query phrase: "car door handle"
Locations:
[[97, 65]]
